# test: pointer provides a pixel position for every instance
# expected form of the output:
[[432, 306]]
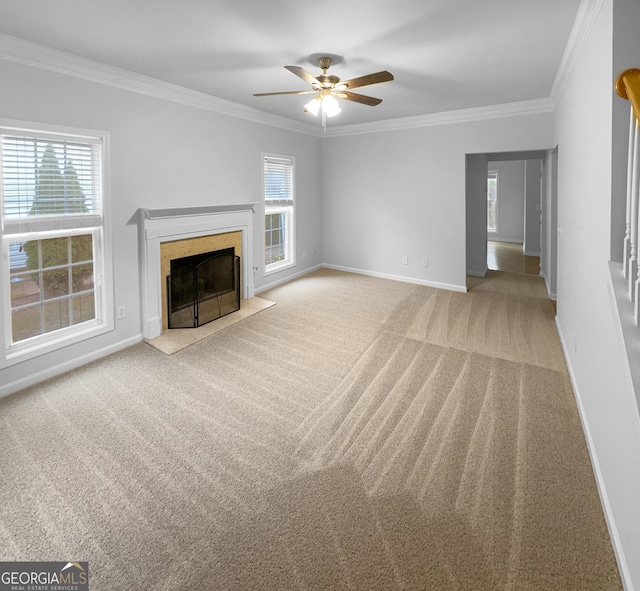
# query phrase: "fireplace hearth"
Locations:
[[202, 288]]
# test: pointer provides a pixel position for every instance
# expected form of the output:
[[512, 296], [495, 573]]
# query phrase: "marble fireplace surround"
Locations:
[[183, 223]]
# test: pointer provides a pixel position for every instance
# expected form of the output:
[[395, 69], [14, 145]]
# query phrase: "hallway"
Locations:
[[508, 256]]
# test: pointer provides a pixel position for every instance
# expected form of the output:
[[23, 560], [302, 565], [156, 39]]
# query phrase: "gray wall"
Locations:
[[163, 154], [532, 205], [586, 321], [403, 193], [476, 209], [549, 234]]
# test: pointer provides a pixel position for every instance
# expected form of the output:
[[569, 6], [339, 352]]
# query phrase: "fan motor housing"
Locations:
[[327, 80]]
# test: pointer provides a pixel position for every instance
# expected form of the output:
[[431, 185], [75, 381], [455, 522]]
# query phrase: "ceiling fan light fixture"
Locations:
[[313, 106], [327, 88], [330, 105]]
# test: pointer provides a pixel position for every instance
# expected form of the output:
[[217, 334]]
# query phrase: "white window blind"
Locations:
[[49, 182], [278, 181]]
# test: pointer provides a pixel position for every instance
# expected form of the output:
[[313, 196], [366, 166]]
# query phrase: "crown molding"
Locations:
[[532, 107], [38, 56], [587, 14]]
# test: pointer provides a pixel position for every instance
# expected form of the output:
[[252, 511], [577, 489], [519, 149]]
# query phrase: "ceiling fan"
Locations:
[[327, 87]]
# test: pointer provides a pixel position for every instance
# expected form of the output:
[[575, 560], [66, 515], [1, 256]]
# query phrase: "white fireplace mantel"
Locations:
[[156, 226]]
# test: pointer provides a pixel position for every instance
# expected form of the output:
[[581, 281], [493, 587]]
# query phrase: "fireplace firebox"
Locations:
[[202, 288]]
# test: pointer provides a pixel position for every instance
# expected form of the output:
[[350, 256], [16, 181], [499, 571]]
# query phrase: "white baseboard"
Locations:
[[618, 550], [439, 285], [552, 296], [449, 286], [286, 279], [61, 368]]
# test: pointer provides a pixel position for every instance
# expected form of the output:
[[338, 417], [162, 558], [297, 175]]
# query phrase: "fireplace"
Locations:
[[186, 231], [202, 288]]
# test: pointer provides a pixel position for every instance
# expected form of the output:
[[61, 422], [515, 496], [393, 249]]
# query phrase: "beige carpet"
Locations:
[[362, 434], [174, 340]]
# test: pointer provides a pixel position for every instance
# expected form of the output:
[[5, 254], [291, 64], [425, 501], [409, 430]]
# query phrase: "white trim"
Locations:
[[48, 342], [586, 17], [288, 278], [618, 548], [531, 107], [39, 56], [156, 226], [290, 235], [289, 210], [552, 296], [55, 130], [60, 368], [437, 284]]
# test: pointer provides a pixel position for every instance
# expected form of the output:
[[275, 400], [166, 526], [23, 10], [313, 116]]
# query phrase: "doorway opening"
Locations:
[[509, 257]]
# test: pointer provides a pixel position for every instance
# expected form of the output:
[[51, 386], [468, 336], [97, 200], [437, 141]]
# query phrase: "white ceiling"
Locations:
[[445, 54]]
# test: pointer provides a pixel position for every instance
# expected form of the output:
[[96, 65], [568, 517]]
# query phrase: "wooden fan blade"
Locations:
[[286, 92], [376, 78], [302, 73], [359, 98]]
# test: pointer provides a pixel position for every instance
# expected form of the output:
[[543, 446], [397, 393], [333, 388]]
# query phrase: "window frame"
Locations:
[[98, 225], [280, 206]]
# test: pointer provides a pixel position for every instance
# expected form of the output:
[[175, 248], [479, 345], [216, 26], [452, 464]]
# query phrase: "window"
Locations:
[[53, 240], [278, 206], [492, 201]]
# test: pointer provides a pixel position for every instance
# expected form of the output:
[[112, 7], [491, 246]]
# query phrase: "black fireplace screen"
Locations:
[[202, 288]]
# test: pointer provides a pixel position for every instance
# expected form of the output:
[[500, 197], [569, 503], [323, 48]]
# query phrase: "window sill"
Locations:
[[277, 267], [25, 351]]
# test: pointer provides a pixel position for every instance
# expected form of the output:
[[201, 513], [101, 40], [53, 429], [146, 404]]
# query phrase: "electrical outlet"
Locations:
[[405, 260], [121, 312], [425, 262]]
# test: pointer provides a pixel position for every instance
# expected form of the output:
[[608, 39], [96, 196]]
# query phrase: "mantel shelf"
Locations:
[[178, 212]]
